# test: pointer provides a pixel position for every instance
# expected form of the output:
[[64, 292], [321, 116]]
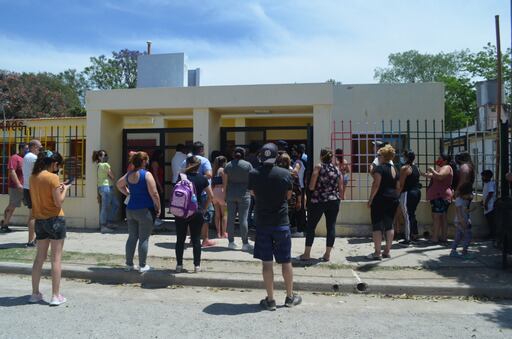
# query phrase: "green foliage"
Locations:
[[119, 71], [459, 72]]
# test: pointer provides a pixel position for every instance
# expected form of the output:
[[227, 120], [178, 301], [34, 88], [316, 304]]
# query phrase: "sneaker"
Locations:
[[111, 225], [247, 247], [144, 269], [129, 268], [269, 305], [372, 256], [57, 300], [208, 243], [294, 300], [232, 245], [31, 244], [298, 235], [4, 228], [454, 254], [35, 298], [197, 269], [105, 229], [179, 268], [405, 243]]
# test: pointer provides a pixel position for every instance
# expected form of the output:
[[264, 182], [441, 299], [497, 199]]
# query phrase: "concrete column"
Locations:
[[322, 120], [207, 128]]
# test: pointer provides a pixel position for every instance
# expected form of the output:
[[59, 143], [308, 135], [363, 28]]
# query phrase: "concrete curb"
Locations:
[[157, 278]]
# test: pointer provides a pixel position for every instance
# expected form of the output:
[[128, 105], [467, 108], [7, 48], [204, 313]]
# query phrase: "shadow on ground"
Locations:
[[17, 301], [231, 309], [11, 245], [502, 316]]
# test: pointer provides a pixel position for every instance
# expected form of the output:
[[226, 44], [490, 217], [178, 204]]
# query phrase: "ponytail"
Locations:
[[96, 155]]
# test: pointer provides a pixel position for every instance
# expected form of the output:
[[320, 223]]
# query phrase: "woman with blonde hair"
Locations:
[[383, 202], [326, 185], [141, 210], [219, 198]]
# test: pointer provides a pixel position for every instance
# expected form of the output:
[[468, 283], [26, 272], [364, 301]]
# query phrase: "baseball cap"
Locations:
[[268, 153]]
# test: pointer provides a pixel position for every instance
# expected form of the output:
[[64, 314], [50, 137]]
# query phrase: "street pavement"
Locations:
[[128, 311], [423, 269]]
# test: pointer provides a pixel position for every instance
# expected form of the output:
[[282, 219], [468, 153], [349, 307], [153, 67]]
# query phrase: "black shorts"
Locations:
[[383, 212], [273, 242], [27, 201], [440, 205], [52, 228]]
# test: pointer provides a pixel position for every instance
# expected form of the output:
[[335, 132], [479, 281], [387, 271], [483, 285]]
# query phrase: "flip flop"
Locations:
[[300, 258], [372, 256], [324, 259]]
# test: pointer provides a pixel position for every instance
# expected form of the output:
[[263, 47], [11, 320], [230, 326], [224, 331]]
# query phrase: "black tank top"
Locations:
[[412, 182], [387, 186]]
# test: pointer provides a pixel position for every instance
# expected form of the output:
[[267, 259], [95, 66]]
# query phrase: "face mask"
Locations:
[[440, 163]]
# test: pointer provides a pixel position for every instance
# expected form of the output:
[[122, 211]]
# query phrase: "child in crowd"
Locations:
[[489, 198], [462, 221]]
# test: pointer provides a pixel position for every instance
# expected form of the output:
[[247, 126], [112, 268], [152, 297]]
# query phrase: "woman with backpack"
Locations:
[[142, 208], [440, 195], [185, 202]]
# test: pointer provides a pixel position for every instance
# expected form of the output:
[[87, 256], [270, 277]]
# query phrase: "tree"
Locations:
[[33, 95], [119, 71], [458, 71]]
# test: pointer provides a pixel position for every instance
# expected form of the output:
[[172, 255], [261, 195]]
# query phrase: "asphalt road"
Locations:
[[129, 311]]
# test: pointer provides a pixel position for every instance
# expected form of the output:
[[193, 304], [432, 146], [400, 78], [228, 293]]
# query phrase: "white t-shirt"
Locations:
[[176, 162], [28, 165], [488, 188], [459, 202]]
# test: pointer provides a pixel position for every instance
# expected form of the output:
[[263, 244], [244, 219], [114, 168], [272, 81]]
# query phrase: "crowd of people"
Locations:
[[270, 188]]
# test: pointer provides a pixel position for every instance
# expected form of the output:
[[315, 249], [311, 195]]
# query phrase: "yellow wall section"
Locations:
[[188, 123], [278, 122]]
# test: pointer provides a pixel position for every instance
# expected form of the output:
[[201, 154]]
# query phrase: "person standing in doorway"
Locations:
[[177, 161], [34, 147], [219, 196], [205, 169], [238, 198], [15, 184], [326, 185], [109, 205], [48, 195], [142, 208], [272, 187]]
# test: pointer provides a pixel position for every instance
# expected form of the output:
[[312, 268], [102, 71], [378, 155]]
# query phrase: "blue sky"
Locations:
[[247, 42]]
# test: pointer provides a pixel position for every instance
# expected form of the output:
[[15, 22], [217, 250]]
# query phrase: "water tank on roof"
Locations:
[[486, 92]]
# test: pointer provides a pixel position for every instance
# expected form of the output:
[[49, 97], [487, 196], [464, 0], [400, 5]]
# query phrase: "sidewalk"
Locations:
[[420, 270]]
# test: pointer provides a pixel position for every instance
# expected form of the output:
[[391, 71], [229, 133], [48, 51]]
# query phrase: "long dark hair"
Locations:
[[44, 160], [96, 155], [409, 156]]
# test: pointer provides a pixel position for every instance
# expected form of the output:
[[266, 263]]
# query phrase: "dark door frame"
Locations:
[[309, 130], [163, 147]]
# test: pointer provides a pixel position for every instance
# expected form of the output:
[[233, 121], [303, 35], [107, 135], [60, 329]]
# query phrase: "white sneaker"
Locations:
[[35, 298], [232, 246], [105, 229], [197, 269], [129, 268], [58, 300], [179, 268], [247, 247], [144, 269]]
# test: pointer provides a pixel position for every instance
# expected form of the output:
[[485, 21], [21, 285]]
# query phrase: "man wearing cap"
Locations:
[[272, 187]]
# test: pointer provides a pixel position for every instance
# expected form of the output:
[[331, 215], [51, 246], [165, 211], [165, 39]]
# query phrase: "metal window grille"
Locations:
[[69, 140]]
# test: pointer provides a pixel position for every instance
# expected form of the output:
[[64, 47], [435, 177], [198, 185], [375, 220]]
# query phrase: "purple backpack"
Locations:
[[183, 199]]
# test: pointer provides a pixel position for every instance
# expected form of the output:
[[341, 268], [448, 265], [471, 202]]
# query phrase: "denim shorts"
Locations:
[[273, 242], [53, 228], [440, 205]]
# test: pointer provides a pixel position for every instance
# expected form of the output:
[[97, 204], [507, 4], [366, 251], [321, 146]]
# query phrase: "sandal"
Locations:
[[300, 258], [324, 259], [387, 256], [372, 256]]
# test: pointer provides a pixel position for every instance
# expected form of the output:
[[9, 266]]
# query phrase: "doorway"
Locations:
[[157, 141]]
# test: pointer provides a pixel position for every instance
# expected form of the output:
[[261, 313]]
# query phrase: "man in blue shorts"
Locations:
[[272, 187]]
